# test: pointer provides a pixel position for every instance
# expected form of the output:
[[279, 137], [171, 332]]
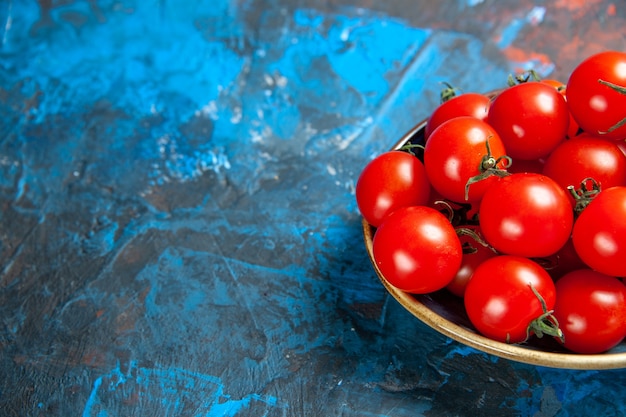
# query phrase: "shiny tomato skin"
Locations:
[[621, 144], [590, 308], [499, 298], [392, 180], [531, 119], [599, 233], [467, 104], [597, 107], [453, 155], [586, 156], [572, 128], [417, 250], [526, 214]]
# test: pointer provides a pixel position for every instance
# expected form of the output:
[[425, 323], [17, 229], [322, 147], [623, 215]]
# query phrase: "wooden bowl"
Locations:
[[445, 313]]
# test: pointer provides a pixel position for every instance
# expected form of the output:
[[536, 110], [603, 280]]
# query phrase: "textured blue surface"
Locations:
[[178, 233]]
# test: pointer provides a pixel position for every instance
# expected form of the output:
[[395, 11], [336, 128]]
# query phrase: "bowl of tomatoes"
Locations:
[[498, 220]]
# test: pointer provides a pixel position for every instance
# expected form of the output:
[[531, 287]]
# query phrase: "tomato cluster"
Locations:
[[514, 201]]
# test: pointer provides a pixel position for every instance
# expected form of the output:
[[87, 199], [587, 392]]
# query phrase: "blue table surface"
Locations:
[[179, 234]]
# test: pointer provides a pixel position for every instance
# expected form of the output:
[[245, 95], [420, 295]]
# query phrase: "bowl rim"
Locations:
[[514, 352]]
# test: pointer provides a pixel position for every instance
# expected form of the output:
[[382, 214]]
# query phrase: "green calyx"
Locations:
[[526, 76], [583, 195], [488, 167], [545, 324], [448, 92]]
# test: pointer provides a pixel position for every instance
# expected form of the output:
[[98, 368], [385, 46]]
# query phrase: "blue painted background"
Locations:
[[178, 233]]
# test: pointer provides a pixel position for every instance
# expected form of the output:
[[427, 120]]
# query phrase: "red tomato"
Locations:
[[572, 128], [468, 104], [392, 180], [591, 311], [531, 118], [454, 154], [585, 156], [474, 254], [526, 214], [597, 107], [500, 301], [417, 249], [599, 233]]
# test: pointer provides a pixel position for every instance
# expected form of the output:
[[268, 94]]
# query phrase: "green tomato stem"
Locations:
[[466, 231], [621, 90], [448, 92], [488, 167], [526, 76], [618, 88], [583, 195], [410, 146], [545, 324]]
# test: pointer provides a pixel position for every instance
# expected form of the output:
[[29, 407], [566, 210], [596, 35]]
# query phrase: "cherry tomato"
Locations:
[[392, 180], [474, 253], [503, 298], [599, 233], [531, 118], [526, 214], [455, 153], [417, 249], [590, 308], [467, 104], [585, 156], [594, 96]]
